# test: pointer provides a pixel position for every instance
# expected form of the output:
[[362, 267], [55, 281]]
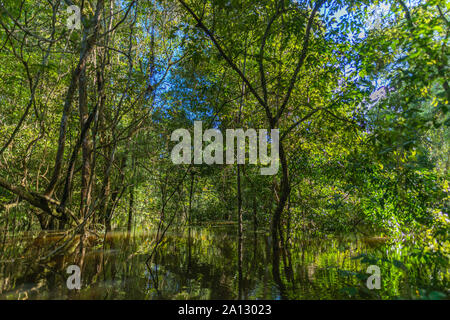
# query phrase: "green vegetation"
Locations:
[[358, 90]]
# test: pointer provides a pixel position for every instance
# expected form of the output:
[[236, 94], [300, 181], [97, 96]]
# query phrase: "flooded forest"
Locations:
[[224, 149]]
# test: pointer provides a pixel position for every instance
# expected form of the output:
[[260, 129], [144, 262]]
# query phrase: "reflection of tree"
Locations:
[[201, 264]]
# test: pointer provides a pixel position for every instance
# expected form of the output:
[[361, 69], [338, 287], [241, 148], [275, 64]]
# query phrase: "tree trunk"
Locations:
[[191, 191], [285, 190], [131, 203]]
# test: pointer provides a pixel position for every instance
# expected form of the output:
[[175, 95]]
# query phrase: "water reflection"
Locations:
[[190, 263]]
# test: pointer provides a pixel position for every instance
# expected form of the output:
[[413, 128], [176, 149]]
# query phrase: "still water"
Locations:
[[202, 263]]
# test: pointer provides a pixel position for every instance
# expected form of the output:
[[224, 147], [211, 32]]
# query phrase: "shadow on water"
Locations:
[[190, 263]]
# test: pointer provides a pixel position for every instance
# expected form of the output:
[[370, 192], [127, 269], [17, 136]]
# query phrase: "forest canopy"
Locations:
[[91, 92]]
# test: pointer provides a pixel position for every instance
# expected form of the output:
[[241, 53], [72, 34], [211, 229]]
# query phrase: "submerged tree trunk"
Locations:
[[131, 201], [240, 229], [191, 191], [115, 195], [276, 221], [130, 211], [86, 145], [255, 217]]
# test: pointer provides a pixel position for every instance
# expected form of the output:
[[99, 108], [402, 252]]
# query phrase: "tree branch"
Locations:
[[229, 61], [300, 60]]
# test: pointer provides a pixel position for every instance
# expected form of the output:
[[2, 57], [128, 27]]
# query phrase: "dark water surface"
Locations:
[[200, 263]]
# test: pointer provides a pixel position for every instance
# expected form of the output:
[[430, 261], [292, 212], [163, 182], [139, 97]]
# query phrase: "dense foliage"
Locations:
[[358, 89]]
